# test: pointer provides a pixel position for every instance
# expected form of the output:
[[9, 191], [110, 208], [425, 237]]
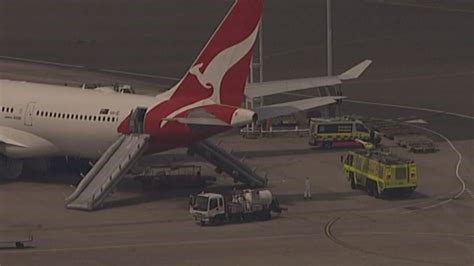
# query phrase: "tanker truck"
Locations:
[[241, 205]]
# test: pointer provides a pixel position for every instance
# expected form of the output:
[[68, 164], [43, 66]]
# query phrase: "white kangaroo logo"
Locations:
[[212, 76]]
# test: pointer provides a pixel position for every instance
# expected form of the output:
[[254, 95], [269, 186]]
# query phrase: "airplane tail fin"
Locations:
[[221, 70]]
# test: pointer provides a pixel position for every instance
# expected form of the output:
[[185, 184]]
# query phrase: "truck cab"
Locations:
[[207, 207]]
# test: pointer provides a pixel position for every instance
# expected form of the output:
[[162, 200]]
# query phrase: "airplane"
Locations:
[[39, 121]]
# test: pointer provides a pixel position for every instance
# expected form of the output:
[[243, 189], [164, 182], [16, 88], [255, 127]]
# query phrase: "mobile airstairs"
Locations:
[[228, 163], [114, 164], [107, 172]]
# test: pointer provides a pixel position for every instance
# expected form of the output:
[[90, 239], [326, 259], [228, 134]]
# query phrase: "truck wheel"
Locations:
[[268, 215], [327, 145], [352, 179], [408, 192], [19, 245], [369, 187], [376, 190], [221, 219]]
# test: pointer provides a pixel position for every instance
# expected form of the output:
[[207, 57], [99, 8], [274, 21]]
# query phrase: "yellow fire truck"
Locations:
[[380, 172]]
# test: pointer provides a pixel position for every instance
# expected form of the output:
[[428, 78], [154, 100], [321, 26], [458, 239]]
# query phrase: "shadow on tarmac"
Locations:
[[291, 199], [179, 194]]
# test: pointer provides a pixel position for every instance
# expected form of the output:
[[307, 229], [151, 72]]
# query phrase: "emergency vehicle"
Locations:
[[340, 132], [380, 172]]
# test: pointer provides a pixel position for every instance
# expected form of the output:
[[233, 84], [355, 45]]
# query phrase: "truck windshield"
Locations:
[[201, 203]]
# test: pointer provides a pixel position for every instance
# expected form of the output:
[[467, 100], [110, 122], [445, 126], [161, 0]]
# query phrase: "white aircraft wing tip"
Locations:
[[355, 71]]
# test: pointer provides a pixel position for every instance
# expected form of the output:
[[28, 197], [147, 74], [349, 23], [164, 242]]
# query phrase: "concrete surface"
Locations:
[[339, 226]]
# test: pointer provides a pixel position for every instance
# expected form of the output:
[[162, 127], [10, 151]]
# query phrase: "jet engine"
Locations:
[[242, 117], [10, 168]]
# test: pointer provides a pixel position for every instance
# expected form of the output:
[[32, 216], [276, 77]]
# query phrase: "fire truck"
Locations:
[[380, 172], [340, 132]]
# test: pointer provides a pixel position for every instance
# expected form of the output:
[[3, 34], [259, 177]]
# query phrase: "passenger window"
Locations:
[[213, 204]]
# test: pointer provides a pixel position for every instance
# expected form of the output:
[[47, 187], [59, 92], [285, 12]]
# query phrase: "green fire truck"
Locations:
[[380, 172]]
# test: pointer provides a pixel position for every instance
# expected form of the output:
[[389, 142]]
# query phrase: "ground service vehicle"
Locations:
[[169, 176], [19, 241], [244, 205], [340, 132], [380, 173]]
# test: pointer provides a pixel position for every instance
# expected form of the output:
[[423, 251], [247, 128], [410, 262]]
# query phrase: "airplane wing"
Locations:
[[280, 86], [201, 118], [203, 121], [355, 72], [288, 108]]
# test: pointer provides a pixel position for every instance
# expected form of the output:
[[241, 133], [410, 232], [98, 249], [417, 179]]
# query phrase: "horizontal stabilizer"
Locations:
[[203, 121], [288, 108], [356, 71]]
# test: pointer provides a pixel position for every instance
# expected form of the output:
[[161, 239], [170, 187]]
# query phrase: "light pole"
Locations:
[[329, 37]]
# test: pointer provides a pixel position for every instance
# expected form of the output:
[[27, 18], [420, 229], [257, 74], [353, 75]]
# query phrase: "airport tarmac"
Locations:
[[339, 226], [422, 57]]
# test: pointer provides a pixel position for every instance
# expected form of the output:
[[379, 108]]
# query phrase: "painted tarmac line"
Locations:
[[458, 176], [21, 59], [470, 193], [413, 108], [438, 8], [427, 234], [164, 244], [139, 74], [419, 77]]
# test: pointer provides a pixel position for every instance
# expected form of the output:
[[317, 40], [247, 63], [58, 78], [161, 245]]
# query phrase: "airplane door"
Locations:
[[137, 120], [30, 109]]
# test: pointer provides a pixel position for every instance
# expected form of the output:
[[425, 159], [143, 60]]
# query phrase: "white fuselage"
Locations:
[[47, 120]]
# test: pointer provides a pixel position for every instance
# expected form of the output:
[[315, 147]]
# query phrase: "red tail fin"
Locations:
[[221, 70]]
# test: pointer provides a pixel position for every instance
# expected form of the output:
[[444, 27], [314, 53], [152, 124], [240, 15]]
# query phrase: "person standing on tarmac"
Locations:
[[307, 189]]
